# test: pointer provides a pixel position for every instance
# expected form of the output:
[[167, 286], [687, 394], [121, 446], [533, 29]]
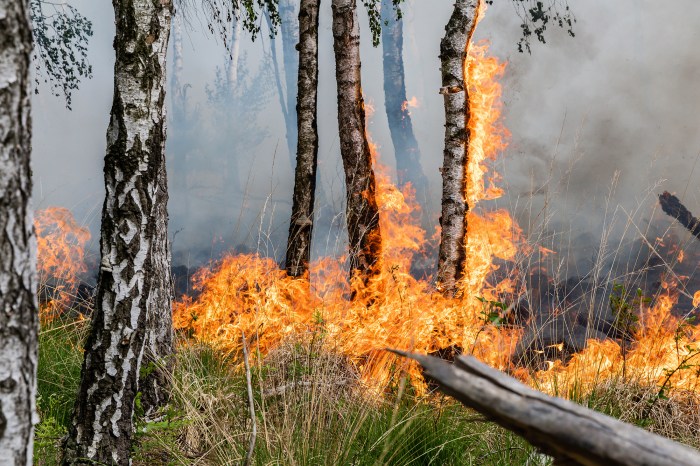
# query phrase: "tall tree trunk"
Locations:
[[235, 53], [178, 115], [453, 54], [290, 26], [18, 294], [362, 214], [177, 89], [406, 148], [134, 270], [301, 225]]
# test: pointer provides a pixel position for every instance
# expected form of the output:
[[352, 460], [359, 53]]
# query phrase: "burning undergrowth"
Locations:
[[511, 310], [516, 317], [61, 245]]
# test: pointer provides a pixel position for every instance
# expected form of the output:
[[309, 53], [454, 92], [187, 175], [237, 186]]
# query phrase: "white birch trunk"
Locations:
[[453, 54], [235, 54], [133, 303], [302, 220], [18, 295]]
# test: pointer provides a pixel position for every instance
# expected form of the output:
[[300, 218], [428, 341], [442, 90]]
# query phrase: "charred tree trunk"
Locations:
[[453, 54], [361, 212], [134, 270], [18, 294], [672, 206], [302, 221], [406, 148]]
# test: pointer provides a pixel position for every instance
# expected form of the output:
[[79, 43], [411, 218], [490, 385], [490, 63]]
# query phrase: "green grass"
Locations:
[[310, 410], [58, 375]]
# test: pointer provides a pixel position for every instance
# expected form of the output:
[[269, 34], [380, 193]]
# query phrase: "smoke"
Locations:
[[600, 123]]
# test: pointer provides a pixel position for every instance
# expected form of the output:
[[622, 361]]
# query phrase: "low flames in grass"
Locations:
[[247, 293], [250, 294], [61, 259]]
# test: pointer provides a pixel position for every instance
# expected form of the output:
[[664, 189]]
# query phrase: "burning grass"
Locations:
[[326, 392], [311, 408]]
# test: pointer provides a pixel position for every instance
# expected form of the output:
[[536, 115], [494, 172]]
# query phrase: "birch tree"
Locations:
[[18, 287], [406, 150], [289, 27], [453, 54], [301, 224], [132, 317], [361, 212]]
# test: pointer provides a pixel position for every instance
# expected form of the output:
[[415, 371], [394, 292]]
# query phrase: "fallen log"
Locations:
[[570, 433], [672, 206]]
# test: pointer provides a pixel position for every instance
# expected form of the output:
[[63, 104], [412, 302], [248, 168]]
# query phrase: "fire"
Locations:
[[61, 258], [250, 294], [247, 293], [665, 350], [413, 102]]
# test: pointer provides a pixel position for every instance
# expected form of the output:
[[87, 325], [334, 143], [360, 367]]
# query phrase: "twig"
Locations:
[[251, 446]]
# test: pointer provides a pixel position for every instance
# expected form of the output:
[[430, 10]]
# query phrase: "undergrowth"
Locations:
[[311, 409]]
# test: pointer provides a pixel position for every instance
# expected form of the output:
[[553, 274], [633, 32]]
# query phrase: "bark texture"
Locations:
[[453, 54], [18, 294], [133, 314], [301, 224], [361, 212], [406, 148], [572, 434]]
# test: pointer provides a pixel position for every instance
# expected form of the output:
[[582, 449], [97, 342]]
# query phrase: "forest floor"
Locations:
[[310, 410]]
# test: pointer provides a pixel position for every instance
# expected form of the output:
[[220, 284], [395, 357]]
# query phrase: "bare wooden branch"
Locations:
[[672, 206], [572, 434], [251, 404]]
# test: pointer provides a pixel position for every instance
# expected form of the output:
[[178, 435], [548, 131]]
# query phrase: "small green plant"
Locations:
[[493, 311]]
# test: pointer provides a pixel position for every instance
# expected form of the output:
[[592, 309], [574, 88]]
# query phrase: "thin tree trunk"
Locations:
[[176, 88], [301, 225], [290, 26], [453, 54], [362, 214], [18, 288], [235, 54], [131, 294], [406, 148], [178, 116]]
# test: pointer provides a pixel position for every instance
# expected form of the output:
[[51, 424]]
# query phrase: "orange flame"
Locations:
[[413, 102], [248, 293], [61, 258]]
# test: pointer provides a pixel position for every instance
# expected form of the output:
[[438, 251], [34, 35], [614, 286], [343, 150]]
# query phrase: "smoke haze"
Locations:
[[600, 123]]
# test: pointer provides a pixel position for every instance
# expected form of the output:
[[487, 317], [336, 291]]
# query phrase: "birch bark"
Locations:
[[361, 211], [18, 294], [133, 314], [301, 224], [453, 223]]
